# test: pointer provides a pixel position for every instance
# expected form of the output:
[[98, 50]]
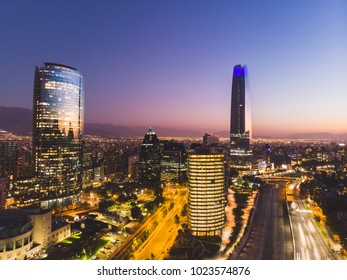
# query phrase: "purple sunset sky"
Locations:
[[169, 63]]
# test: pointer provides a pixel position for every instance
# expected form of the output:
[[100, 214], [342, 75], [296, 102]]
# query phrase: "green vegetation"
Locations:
[[184, 210], [105, 204], [238, 211], [190, 247], [307, 206], [138, 241], [316, 218], [328, 190], [177, 219], [136, 213], [321, 229], [76, 247]]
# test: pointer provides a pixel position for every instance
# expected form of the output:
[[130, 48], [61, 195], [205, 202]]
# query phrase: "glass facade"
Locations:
[[58, 118], [149, 160], [173, 161], [8, 158], [240, 123], [206, 193]]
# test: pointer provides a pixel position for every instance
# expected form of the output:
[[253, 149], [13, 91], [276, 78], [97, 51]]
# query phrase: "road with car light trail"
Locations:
[[309, 243], [270, 236]]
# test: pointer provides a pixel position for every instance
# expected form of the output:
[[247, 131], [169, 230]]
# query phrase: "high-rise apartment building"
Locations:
[[206, 191], [240, 123], [58, 134]]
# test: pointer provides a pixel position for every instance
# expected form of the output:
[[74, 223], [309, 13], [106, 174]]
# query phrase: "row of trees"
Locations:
[[329, 191]]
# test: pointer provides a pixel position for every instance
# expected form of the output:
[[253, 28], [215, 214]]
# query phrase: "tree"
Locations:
[[158, 192], [150, 206], [233, 172], [122, 198], [184, 210], [136, 213], [177, 219], [105, 204]]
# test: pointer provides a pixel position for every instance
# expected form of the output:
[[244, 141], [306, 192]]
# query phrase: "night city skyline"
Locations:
[[169, 64], [170, 130]]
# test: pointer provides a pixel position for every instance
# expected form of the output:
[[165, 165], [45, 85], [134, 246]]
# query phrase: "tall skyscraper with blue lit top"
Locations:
[[240, 123], [58, 120]]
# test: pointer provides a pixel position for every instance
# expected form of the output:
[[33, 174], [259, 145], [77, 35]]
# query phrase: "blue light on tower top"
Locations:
[[240, 71]]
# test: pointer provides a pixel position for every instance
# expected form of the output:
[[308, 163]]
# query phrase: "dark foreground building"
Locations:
[[149, 160]]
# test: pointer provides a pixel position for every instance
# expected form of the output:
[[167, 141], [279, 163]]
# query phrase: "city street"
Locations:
[[119, 253], [161, 239]]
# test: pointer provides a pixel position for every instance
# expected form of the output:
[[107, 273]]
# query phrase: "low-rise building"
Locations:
[[24, 233]]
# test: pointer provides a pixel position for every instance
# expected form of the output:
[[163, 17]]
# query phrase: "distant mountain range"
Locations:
[[100, 129], [16, 120], [19, 121]]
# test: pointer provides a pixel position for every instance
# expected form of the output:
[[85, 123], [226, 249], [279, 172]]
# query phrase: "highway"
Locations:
[[308, 241], [270, 235]]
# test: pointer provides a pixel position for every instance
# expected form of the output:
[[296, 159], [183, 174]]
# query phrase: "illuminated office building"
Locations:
[[8, 158], [240, 123], [133, 167], [173, 161], [206, 191], [149, 160], [57, 134]]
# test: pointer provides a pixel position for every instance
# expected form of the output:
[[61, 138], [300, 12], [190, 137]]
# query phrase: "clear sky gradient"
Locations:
[[169, 63]]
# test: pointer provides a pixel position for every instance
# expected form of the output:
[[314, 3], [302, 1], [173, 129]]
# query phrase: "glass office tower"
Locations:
[[240, 123], [58, 134], [150, 160]]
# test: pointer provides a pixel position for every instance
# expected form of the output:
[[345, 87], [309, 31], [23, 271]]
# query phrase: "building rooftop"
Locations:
[[60, 65], [13, 223]]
